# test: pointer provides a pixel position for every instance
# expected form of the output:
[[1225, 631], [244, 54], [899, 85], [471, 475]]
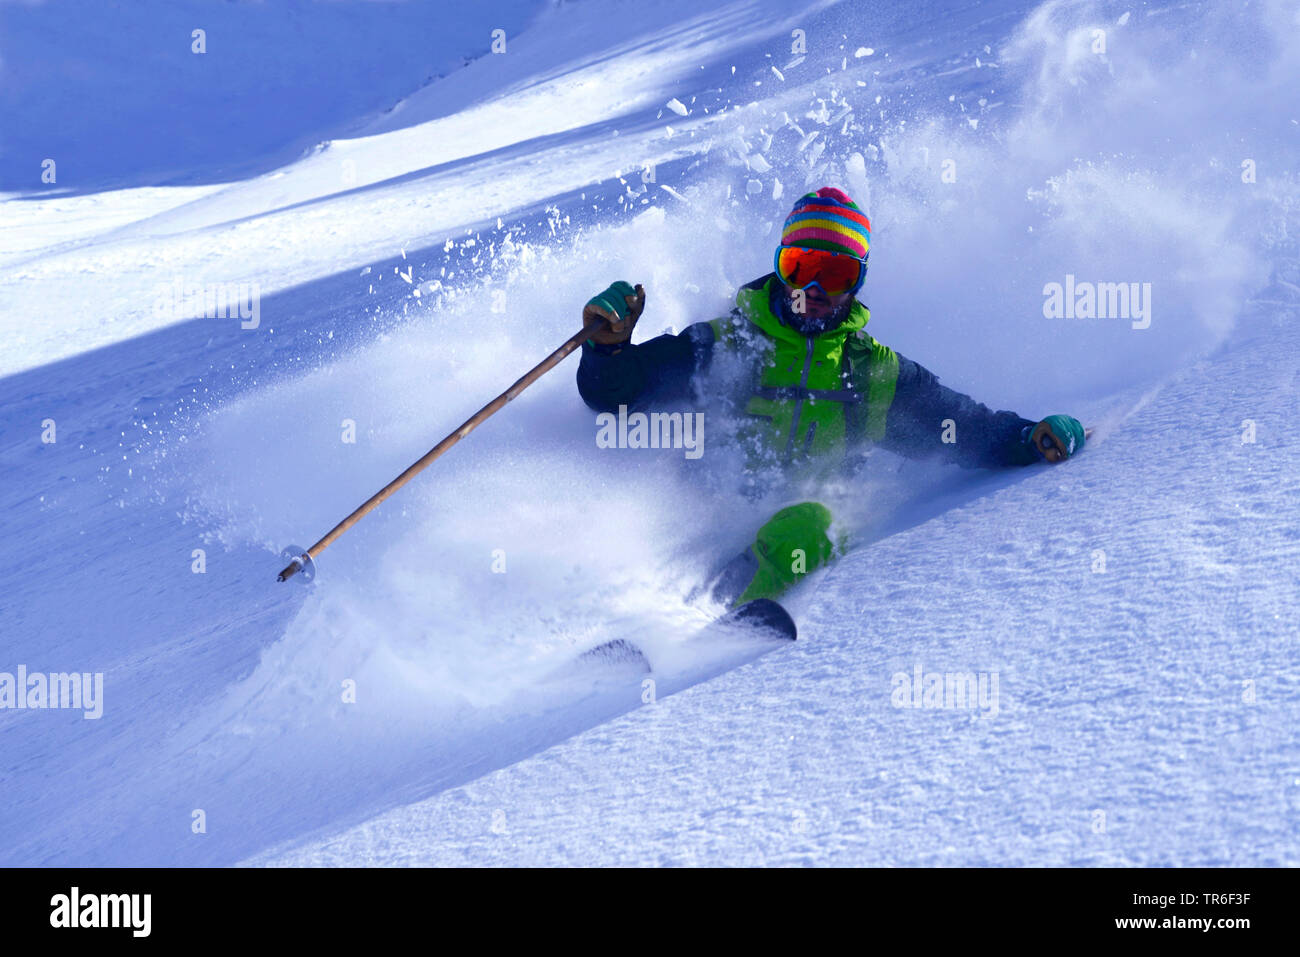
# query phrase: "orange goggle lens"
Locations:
[[835, 273]]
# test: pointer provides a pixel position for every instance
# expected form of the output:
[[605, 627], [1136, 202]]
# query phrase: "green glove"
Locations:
[[1058, 437], [620, 306]]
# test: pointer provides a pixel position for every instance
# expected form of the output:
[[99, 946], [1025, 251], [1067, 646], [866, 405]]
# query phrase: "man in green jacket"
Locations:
[[814, 386]]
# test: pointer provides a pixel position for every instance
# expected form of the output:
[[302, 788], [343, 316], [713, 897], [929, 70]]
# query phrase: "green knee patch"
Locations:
[[793, 543]]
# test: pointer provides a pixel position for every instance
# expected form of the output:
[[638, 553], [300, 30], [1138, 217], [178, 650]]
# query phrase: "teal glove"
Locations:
[[1058, 437], [620, 306]]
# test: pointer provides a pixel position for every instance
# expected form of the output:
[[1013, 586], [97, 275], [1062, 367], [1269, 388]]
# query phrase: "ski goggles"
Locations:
[[835, 273]]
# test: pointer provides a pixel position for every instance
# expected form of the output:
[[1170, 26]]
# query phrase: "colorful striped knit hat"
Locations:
[[828, 219]]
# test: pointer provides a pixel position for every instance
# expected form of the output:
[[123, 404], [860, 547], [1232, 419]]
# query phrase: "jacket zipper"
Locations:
[[798, 403]]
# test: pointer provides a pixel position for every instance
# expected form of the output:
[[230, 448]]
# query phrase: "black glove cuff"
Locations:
[[604, 349]]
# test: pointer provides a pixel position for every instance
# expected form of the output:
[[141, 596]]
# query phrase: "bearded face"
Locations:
[[820, 312]]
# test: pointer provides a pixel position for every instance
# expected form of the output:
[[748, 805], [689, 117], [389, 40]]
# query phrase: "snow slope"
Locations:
[[119, 96], [414, 267], [1121, 693]]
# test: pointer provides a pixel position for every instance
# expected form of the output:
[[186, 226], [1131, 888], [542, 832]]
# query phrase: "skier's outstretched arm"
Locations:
[[614, 372], [928, 419]]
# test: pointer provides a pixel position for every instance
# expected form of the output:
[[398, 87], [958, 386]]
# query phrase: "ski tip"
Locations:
[[619, 653], [768, 617]]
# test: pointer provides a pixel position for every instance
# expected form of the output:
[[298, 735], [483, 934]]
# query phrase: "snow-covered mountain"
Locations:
[[422, 218]]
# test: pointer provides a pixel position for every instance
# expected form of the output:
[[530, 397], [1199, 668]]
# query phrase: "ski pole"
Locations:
[[300, 560]]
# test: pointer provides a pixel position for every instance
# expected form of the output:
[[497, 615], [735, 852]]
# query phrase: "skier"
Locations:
[[815, 387]]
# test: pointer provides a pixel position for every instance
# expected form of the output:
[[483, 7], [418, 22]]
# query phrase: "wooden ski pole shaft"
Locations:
[[468, 426]]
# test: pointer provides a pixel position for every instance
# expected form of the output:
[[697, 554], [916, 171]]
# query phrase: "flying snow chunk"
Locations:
[[753, 187], [758, 164], [863, 51], [779, 75], [677, 106], [1123, 19]]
